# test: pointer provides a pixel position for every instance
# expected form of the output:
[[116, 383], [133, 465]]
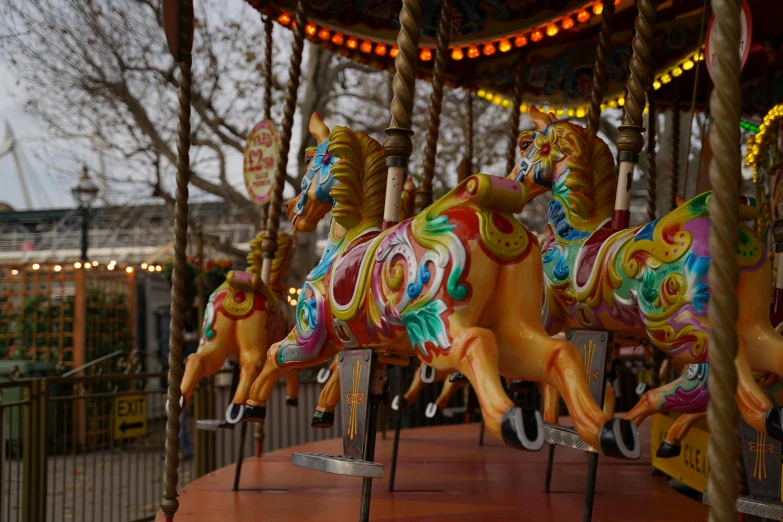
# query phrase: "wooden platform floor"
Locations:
[[444, 476]]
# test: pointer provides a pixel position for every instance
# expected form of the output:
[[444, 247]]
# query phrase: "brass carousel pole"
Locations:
[[180, 36], [724, 171], [519, 87], [630, 141], [424, 194], [675, 185], [600, 72], [652, 171], [469, 139]]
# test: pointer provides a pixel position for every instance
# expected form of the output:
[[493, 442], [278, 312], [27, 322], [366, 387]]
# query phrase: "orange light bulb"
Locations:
[[520, 41], [473, 52], [537, 35], [457, 54], [598, 9], [323, 34], [583, 16], [425, 55], [310, 29], [338, 39], [353, 43], [366, 47], [504, 46], [380, 50], [567, 23], [488, 50], [284, 19], [551, 30], [394, 51]]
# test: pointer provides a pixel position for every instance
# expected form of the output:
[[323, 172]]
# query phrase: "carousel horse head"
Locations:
[[572, 162], [346, 174]]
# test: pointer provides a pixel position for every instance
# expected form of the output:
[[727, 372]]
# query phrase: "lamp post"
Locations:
[[85, 193]]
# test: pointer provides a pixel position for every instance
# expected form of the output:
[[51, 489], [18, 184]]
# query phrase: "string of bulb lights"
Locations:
[[504, 44], [90, 265]]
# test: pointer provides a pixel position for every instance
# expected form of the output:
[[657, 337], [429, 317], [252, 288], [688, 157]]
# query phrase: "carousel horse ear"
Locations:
[[552, 117], [318, 129], [679, 200], [540, 120]]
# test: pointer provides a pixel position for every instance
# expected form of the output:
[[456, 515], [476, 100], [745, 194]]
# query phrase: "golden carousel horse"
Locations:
[[444, 285]]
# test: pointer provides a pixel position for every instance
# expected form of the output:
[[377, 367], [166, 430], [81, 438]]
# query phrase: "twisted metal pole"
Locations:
[[652, 171], [675, 186], [398, 144], [630, 141], [600, 70], [184, 31], [469, 136], [424, 194], [269, 245], [724, 171], [519, 87]]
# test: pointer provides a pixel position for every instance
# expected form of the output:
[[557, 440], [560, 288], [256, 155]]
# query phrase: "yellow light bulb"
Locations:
[[688, 65], [656, 85]]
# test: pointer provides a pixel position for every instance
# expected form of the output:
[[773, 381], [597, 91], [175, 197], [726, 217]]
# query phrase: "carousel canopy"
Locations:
[[556, 38]]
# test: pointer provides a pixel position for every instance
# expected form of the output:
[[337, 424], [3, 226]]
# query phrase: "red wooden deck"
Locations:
[[442, 475]]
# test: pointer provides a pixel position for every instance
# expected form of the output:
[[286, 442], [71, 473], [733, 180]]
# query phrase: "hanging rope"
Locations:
[[184, 24], [424, 194], [675, 186], [652, 171], [398, 144], [693, 101], [519, 87], [724, 170], [600, 72], [268, 29], [630, 141], [269, 245]]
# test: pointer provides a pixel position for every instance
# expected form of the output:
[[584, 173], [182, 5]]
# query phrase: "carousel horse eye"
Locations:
[[525, 145]]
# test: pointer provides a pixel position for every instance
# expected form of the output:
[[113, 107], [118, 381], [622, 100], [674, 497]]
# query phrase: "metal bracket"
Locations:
[[213, 425], [565, 436], [337, 465], [751, 506]]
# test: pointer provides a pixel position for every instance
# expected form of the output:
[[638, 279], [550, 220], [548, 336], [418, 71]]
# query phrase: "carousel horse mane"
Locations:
[[408, 200], [280, 263], [591, 180], [361, 175]]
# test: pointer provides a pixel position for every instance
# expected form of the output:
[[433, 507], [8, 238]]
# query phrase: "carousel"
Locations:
[[461, 287]]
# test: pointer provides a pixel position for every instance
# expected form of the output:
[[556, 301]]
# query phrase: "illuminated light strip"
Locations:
[[550, 28], [757, 143]]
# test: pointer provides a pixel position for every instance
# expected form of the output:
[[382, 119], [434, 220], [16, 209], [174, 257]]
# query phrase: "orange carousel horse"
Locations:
[[242, 319], [443, 286]]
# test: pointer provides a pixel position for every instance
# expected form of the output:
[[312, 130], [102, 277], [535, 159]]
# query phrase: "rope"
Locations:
[[675, 186], [269, 245], [169, 503], [519, 87], [267, 68], [652, 171], [600, 72], [693, 100], [424, 194], [469, 136], [724, 171]]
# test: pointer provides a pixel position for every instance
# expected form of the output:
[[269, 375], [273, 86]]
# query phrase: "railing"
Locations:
[[91, 448]]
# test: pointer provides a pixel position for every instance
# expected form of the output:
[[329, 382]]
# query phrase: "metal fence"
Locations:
[[91, 448]]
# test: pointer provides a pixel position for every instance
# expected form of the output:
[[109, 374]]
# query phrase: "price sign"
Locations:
[[260, 159], [746, 34]]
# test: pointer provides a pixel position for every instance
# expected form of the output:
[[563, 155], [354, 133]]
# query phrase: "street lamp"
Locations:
[[85, 193]]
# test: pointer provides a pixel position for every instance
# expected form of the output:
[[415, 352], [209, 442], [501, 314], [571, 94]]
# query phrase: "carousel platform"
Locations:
[[442, 475]]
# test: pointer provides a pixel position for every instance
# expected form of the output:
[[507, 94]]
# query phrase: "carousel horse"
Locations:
[[243, 318], [450, 387], [444, 286], [648, 281]]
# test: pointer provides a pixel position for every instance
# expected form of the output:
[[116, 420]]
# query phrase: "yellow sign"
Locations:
[[130, 416], [691, 466]]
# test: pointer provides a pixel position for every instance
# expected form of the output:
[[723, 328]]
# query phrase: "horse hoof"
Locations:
[[620, 438], [668, 451], [323, 375], [427, 374], [431, 411], [774, 423], [254, 413], [234, 413], [398, 403], [458, 377], [322, 419], [523, 429], [293, 402]]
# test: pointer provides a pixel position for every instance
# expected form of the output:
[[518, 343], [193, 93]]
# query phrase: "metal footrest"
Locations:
[[337, 464], [212, 424], [751, 506], [456, 410], [565, 436]]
